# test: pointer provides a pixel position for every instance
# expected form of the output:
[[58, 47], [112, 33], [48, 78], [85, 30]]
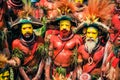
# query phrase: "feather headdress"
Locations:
[[26, 12], [57, 8], [66, 7], [26, 16], [98, 12]]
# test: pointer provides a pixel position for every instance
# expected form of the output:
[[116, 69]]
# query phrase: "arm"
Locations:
[[40, 70], [80, 60], [48, 68], [17, 58], [50, 53], [5, 43], [41, 50], [77, 69], [49, 61], [23, 74], [15, 62]]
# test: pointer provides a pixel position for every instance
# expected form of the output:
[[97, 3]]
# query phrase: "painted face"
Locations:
[[92, 33], [27, 29], [65, 25], [81, 1]]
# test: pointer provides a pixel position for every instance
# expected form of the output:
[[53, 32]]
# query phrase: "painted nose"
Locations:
[[90, 35]]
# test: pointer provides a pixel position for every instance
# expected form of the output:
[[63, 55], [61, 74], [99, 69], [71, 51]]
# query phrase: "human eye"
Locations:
[[24, 28], [29, 27]]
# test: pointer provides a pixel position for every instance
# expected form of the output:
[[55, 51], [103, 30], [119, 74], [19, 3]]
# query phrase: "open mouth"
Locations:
[[27, 35]]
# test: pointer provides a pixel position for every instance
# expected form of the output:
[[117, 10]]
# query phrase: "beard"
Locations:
[[90, 44], [27, 35], [65, 33]]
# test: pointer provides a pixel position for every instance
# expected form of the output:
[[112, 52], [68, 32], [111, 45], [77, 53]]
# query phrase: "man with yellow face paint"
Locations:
[[92, 33], [28, 51], [91, 38], [62, 49], [90, 54], [65, 28], [27, 30]]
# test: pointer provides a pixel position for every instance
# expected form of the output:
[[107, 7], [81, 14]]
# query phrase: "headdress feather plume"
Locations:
[[97, 12], [27, 11], [57, 8], [66, 6], [98, 9]]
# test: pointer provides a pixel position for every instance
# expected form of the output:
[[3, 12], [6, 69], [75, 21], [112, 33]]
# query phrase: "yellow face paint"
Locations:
[[27, 28], [65, 24], [92, 33], [81, 1]]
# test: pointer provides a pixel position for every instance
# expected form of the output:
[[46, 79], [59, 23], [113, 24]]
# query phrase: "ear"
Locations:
[[84, 31]]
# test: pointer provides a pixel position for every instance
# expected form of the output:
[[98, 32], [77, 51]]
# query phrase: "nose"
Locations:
[[64, 27], [90, 35], [28, 30]]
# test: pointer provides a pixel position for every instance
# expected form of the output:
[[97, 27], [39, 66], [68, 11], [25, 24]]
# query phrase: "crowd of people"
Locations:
[[59, 39]]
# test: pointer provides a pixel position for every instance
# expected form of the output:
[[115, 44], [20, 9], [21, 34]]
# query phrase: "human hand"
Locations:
[[35, 78], [11, 62], [103, 68]]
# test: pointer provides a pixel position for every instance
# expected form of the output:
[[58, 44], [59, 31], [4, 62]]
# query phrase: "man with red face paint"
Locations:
[[62, 50]]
